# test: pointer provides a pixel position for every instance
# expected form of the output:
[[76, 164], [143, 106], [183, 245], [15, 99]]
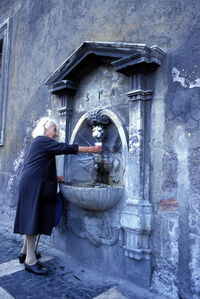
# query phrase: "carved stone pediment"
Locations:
[[125, 57]]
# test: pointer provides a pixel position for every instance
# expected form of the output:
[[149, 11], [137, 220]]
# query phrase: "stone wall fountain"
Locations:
[[103, 191], [105, 91]]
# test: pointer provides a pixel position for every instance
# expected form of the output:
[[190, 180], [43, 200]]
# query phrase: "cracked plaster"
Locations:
[[177, 77]]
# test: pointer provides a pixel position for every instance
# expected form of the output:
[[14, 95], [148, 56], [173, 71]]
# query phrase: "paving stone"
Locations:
[[111, 294]]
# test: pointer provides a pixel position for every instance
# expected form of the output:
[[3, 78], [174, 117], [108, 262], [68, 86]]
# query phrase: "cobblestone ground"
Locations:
[[60, 283], [67, 278]]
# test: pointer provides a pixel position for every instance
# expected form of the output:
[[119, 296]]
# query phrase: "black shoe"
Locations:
[[22, 257], [36, 269]]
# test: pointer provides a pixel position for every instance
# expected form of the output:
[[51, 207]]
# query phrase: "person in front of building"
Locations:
[[37, 191]]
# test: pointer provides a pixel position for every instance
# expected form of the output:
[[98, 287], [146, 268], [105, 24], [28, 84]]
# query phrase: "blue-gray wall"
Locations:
[[43, 33]]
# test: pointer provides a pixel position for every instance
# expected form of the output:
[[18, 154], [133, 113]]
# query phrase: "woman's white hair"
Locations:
[[43, 124]]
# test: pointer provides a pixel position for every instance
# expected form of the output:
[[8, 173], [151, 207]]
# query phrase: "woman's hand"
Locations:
[[60, 179], [97, 149]]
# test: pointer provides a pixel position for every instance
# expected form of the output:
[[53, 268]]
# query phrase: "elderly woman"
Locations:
[[37, 192]]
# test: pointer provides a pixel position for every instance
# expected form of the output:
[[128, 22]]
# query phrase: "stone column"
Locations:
[[136, 216], [137, 211], [65, 89], [65, 112]]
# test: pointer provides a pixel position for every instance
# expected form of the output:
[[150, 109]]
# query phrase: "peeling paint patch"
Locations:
[[16, 170], [195, 84], [177, 78], [184, 81]]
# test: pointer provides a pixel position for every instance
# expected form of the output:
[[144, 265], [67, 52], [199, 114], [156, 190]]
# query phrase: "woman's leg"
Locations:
[[31, 263], [30, 250], [24, 248]]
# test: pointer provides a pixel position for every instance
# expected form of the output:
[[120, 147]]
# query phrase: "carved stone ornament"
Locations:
[[97, 229], [97, 117]]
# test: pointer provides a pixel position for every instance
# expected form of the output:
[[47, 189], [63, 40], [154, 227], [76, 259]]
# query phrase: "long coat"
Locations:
[[37, 189]]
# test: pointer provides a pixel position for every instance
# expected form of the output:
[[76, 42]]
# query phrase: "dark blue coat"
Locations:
[[37, 189]]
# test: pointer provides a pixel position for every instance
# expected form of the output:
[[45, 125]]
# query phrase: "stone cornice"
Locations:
[[125, 57], [63, 85], [143, 60], [142, 95]]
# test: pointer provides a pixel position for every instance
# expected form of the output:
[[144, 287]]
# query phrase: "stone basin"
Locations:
[[92, 198]]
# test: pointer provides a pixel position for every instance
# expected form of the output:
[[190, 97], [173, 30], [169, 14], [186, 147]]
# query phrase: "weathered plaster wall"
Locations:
[[175, 175], [43, 35]]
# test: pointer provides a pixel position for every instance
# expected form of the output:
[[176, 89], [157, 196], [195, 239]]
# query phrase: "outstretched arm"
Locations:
[[57, 148], [90, 149]]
